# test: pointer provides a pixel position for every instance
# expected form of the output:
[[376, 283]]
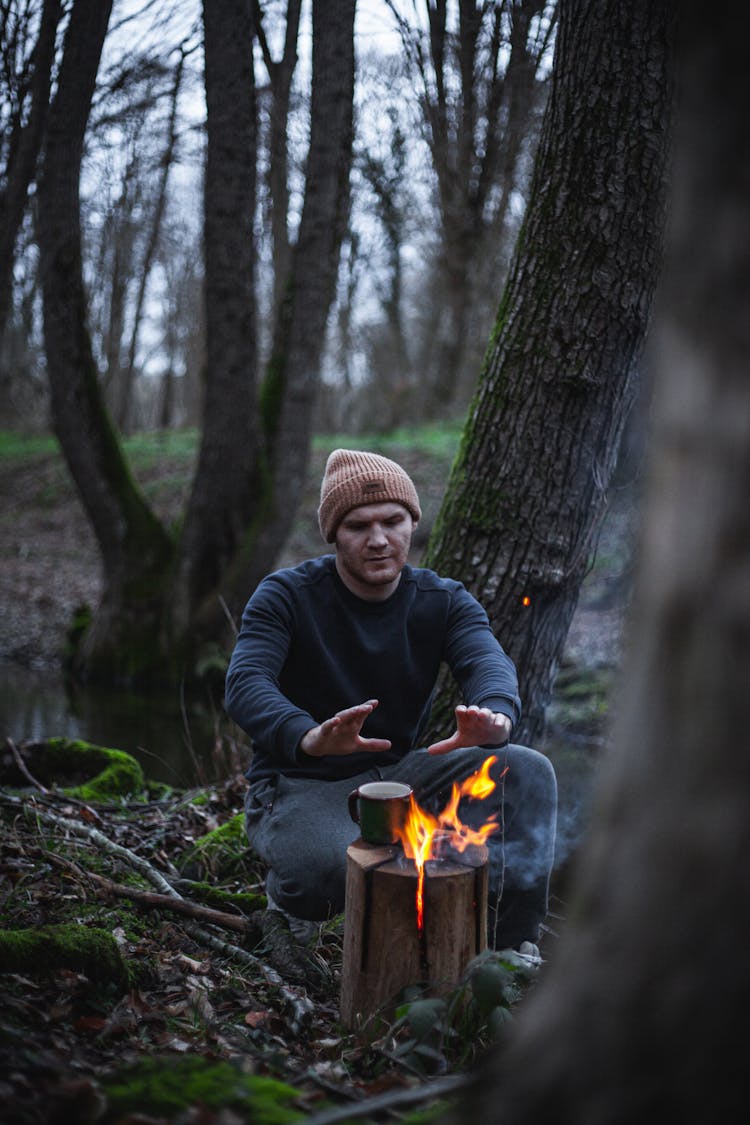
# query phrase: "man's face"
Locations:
[[372, 544]]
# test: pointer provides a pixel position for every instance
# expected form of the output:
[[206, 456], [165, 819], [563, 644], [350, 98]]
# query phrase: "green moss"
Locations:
[[220, 850], [43, 950], [220, 900], [167, 1085], [108, 773]]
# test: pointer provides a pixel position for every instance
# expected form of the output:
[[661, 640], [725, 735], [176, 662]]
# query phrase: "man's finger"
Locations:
[[444, 746], [374, 744]]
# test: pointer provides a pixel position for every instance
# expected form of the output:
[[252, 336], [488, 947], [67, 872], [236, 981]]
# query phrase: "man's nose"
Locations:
[[377, 534]]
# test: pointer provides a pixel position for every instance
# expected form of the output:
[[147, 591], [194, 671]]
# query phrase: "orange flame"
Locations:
[[421, 827]]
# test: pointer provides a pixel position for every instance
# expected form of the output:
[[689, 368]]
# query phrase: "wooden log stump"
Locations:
[[384, 949]]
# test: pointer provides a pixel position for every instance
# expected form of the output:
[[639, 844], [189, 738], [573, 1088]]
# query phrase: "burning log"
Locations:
[[385, 948], [416, 913]]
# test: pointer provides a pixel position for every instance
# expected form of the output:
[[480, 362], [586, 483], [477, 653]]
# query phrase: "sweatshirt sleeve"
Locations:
[[485, 674], [253, 697]]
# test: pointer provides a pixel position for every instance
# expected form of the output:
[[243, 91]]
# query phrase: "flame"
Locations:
[[421, 827]]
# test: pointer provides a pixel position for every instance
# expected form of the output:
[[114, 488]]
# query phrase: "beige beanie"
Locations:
[[353, 478]]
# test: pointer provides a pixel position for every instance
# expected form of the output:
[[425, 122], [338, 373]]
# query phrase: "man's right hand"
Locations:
[[340, 735]]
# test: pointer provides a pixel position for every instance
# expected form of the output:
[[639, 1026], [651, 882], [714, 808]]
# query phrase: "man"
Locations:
[[333, 676]]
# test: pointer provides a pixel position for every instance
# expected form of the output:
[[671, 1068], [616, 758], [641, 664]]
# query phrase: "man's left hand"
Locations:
[[475, 726]]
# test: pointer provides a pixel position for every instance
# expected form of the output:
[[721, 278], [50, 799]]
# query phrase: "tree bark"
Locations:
[[228, 478], [24, 143], [134, 548], [644, 1008], [292, 378], [528, 488]]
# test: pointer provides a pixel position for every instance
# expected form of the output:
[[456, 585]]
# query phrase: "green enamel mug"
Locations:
[[380, 808]]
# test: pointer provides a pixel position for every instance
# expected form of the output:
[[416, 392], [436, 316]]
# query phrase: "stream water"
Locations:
[[174, 743]]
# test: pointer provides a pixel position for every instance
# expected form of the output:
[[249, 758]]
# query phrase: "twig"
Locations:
[[23, 767], [301, 1006], [392, 1099], [197, 910]]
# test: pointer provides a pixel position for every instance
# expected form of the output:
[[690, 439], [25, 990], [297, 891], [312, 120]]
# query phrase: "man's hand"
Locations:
[[475, 726], [340, 735]]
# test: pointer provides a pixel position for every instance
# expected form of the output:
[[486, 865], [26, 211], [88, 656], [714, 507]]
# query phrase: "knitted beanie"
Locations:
[[353, 478]]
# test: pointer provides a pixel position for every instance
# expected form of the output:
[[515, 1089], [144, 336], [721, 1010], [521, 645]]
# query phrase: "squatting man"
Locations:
[[333, 676]]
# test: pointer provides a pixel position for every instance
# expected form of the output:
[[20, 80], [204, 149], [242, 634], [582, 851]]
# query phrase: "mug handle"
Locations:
[[352, 801]]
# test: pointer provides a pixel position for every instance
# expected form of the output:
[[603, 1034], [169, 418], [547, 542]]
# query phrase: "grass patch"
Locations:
[[149, 449], [438, 439], [18, 446]]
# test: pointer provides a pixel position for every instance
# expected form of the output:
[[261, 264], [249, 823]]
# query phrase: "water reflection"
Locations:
[[183, 745]]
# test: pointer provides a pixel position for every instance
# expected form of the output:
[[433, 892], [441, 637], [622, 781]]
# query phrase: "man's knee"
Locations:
[[309, 892]]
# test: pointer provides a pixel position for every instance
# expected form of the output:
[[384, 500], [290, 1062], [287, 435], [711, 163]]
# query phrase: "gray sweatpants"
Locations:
[[301, 828]]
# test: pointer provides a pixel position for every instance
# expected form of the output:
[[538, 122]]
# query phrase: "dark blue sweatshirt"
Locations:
[[308, 648]]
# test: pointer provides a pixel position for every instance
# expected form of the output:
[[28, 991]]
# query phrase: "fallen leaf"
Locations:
[[256, 1019], [89, 1025]]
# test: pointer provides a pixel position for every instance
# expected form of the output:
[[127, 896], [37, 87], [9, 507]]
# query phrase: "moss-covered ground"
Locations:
[[116, 1008]]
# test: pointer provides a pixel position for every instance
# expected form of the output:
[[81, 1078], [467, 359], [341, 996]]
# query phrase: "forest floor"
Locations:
[[207, 1019]]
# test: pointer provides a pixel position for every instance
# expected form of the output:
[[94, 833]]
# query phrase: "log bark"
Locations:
[[384, 950]]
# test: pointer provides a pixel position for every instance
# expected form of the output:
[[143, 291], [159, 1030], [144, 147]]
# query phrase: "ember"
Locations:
[[425, 836]]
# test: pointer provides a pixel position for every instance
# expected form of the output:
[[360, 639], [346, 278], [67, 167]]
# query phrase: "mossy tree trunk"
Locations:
[[135, 550], [165, 597], [643, 1013], [529, 485]]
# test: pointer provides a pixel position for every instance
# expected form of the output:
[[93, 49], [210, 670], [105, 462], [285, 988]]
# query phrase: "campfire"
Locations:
[[425, 837], [416, 911]]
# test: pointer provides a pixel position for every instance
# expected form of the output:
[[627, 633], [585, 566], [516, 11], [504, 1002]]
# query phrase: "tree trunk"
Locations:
[[291, 382], [528, 489], [228, 481], [643, 1013], [24, 142], [280, 74], [134, 548]]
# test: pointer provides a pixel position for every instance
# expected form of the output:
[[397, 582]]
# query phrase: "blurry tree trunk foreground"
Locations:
[[643, 1013], [168, 594], [529, 485]]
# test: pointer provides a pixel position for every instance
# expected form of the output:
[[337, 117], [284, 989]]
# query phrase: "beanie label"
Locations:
[[374, 486]]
